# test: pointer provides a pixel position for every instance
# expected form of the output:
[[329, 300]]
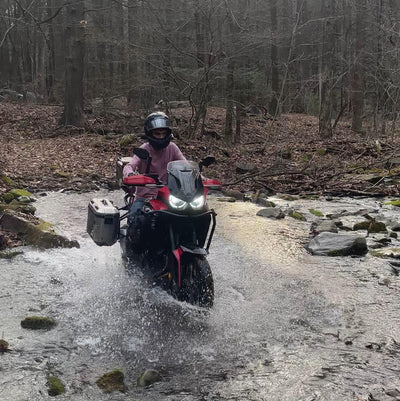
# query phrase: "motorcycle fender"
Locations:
[[178, 254]]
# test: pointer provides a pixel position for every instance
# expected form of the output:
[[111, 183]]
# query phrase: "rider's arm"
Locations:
[[132, 167]]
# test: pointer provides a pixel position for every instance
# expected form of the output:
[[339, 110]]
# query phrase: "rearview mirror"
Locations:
[[207, 161], [141, 153]]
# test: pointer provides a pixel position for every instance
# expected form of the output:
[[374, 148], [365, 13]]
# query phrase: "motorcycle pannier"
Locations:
[[103, 222]]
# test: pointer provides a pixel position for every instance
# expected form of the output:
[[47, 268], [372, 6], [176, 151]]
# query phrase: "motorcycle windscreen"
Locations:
[[184, 179]]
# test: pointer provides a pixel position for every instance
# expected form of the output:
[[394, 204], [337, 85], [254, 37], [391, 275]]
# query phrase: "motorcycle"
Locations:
[[172, 233]]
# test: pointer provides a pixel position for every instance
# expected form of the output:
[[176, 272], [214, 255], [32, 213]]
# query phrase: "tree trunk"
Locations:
[[74, 66], [273, 105]]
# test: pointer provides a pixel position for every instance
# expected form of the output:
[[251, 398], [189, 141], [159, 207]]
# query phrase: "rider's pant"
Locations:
[[134, 209]]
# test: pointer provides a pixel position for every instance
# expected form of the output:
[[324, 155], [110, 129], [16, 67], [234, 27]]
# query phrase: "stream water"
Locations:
[[285, 326]]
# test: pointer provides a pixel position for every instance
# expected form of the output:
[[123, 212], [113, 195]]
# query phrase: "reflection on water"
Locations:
[[285, 326]]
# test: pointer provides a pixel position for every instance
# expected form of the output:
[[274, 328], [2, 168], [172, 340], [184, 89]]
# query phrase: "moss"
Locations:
[[307, 157], [226, 199], [9, 255], [297, 216], [55, 385], [38, 323], [4, 346], [112, 381], [20, 192], [287, 197], [321, 152], [45, 226], [316, 212], [393, 203]]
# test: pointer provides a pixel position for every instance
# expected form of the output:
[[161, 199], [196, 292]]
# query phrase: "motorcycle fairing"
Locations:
[[184, 180]]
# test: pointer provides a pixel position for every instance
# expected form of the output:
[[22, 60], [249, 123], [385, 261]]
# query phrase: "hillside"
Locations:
[[37, 154]]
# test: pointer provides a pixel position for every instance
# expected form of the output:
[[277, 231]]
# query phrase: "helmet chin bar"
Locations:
[[159, 143]]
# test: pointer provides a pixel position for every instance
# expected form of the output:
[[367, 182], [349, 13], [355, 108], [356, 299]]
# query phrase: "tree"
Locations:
[[74, 65]]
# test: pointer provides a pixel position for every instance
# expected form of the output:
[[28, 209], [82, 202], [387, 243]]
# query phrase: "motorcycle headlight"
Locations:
[[177, 203], [198, 202]]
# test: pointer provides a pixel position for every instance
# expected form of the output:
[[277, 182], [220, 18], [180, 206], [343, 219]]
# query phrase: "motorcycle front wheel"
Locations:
[[197, 286]]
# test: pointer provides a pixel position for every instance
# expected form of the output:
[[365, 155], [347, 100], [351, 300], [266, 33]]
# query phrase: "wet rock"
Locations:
[[9, 255], [330, 244], [324, 226], [265, 202], [34, 234], [271, 213], [149, 377], [38, 323], [288, 197], [55, 386], [4, 346], [112, 381], [20, 192]]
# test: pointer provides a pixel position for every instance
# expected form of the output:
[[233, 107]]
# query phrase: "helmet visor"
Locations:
[[158, 122]]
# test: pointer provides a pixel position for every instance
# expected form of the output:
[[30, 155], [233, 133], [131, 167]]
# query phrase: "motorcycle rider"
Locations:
[[158, 132]]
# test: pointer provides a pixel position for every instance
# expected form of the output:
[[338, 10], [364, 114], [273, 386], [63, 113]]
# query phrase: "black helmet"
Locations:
[[158, 120]]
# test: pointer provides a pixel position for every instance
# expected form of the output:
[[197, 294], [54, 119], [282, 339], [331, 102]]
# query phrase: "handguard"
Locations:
[[139, 180], [212, 184]]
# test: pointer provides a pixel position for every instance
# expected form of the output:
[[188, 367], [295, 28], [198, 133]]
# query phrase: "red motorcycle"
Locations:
[[173, 232]]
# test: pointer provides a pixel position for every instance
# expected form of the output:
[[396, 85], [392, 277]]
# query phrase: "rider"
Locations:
[[158, 132]]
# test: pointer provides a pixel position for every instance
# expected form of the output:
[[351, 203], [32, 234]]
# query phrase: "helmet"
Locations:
[[158, 120]]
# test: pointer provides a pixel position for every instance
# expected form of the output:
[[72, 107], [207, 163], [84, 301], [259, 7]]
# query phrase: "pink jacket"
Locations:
[[159, 160]]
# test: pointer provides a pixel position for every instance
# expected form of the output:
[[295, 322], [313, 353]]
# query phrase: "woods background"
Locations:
[[329, 58]]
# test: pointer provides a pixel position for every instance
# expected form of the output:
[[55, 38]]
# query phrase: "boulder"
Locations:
[[243, 168], [112, 381], [330, 244], [37, 235], [149, 377], [324, 226], [38, 323]]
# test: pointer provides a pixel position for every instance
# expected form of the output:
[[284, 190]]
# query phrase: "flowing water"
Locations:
[[285, 325]]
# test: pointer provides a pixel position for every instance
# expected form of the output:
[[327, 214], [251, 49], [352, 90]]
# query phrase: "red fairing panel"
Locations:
[[156, 204], [138, 180], [211, 182]]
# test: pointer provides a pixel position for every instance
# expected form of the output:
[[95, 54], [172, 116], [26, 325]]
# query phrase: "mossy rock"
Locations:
[[393, 203], [4, 346], [375, 227], [38, 323], [297, 216], [56, 386], [112, 381], [7, 197], [18, 207], [37, 235], [9, 255], [20, 192], [386, 253], [149, 377], [126, 141], [316, 213]]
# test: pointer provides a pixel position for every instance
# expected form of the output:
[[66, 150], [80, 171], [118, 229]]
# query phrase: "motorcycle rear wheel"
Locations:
[[197, 285]]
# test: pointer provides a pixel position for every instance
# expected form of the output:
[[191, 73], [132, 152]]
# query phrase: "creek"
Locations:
[[285, 326]]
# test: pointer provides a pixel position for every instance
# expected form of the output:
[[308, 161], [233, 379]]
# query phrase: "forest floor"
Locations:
[[276, 156]]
